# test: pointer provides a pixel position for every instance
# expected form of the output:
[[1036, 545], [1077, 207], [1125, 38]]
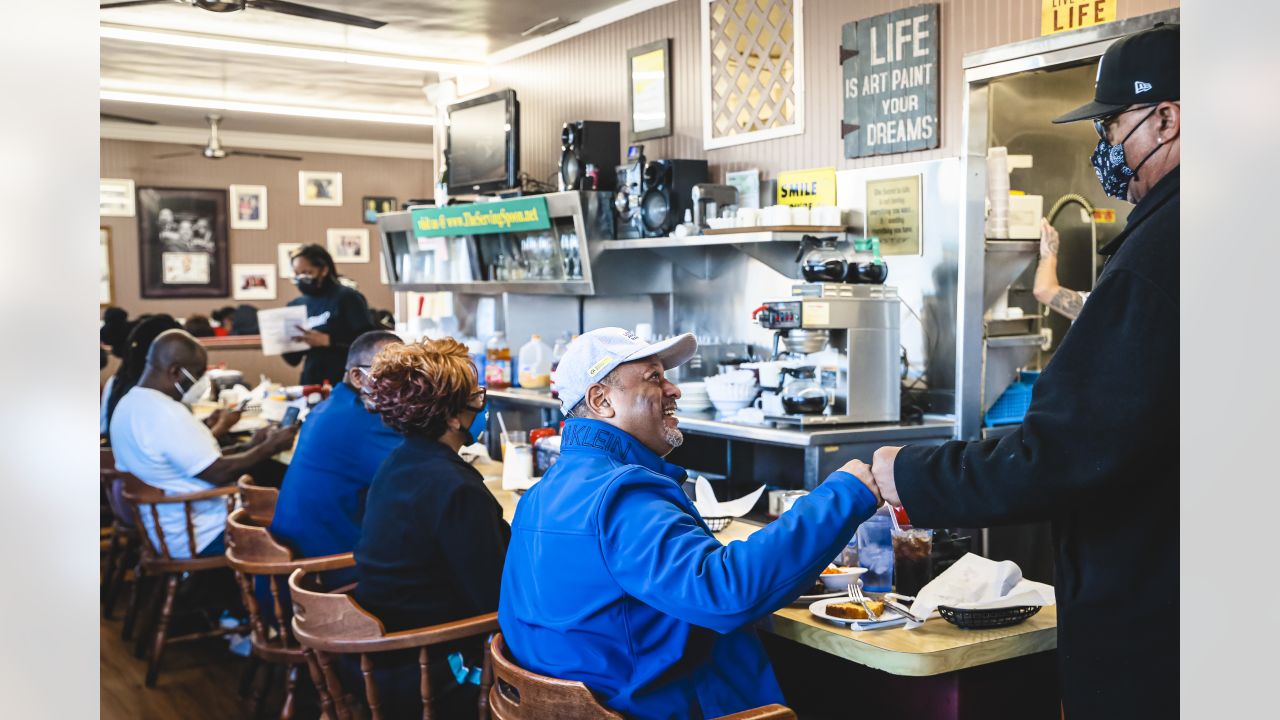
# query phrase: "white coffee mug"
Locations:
[[800, 215]]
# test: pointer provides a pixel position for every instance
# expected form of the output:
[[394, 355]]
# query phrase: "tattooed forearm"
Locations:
[[1067, 302]]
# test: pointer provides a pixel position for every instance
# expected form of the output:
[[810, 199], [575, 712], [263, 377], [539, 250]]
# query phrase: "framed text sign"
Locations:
[[889, 66], [893, 214]]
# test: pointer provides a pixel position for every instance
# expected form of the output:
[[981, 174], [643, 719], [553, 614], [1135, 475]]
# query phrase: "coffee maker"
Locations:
[[860, 325]]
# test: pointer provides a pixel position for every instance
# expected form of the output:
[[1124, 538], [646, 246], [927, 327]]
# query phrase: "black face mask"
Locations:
[[308, 285]]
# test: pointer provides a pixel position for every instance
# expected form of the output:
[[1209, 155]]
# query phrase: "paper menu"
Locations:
[[278, 326], [705, 501]]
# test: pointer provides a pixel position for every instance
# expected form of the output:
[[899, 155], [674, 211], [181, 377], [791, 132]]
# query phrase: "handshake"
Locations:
[[878, 476]]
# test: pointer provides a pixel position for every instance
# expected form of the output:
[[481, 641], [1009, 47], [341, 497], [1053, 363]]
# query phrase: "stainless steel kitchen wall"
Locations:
[[585, 78]]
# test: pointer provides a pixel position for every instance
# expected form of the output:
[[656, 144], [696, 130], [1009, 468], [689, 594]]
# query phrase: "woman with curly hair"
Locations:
[[433, 539]]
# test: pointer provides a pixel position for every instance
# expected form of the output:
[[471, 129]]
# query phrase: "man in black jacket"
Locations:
[[1097, 453]]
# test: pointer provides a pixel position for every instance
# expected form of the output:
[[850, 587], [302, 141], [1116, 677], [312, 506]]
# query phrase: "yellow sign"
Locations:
[[1104, 215], [893, 214], [807, 187], [1061, 15]]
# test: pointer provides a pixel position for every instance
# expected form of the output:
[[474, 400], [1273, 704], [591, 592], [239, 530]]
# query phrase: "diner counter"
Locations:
[[707, 423], [935, 648]]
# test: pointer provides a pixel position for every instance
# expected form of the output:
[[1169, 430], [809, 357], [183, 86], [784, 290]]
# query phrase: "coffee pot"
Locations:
[[821, 261], [802, 395]]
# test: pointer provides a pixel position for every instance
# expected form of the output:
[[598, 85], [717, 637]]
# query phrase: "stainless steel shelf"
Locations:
[[495, 287], [520, 396], [742, 238]]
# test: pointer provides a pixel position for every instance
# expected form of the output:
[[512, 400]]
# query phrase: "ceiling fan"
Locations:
[[215, 151], [277, 6]]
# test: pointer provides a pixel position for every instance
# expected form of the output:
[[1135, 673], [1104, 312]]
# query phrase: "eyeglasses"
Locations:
[[1100, 124], [481, 393]]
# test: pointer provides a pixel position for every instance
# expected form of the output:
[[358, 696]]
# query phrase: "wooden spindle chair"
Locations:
[[518, 694], [123, 542], [252, 554], [332, 623], [259, 500], [158, 563]]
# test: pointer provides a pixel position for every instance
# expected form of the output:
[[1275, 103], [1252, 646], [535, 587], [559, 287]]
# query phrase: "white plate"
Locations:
[[888, 618]]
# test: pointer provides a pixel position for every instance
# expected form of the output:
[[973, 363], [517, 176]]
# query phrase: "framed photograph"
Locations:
[[283, 253], [371, 206], [104, 272], [115, 197], [349, 245], [248, 207], [253, 282], [649, 95], [319, 188], [182, 242]]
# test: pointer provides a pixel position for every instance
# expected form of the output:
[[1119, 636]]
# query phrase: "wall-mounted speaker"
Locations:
[[591, 143], [668, 193]]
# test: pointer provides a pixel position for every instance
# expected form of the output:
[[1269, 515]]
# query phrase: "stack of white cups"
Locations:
[[998, 193]]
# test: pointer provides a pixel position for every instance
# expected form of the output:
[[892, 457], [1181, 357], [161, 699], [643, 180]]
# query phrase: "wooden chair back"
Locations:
[[518, 694], [253, 553], [143, 499], [329, 623], [106, 459], [260, 501]]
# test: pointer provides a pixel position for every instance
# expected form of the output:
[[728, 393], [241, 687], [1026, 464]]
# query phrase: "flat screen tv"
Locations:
[[484, 143]]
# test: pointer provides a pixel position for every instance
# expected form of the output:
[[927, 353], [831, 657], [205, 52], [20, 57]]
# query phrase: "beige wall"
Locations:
[[585, 79], [286, 220]]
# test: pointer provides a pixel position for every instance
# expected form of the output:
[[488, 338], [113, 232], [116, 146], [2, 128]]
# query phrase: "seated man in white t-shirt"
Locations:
[[155, 437]]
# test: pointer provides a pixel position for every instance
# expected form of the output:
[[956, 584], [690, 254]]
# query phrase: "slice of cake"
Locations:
[[854, 611]]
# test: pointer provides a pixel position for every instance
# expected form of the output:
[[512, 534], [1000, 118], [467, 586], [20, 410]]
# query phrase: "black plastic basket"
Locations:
[[982, 619]]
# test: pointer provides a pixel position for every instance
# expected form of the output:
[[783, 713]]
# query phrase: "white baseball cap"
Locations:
[[593, 355]]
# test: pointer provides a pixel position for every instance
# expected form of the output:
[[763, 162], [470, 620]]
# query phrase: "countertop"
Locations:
[[935, 648], [707, 423]]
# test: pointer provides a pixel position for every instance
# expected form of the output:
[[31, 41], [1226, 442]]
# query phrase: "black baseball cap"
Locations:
[[1138, 69]]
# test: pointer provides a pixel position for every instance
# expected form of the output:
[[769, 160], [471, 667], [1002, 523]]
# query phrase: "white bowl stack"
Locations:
[[731, 391], [693, 397]]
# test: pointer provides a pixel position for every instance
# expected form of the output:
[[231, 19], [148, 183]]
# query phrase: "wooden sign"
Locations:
[[1059, 15], [893, 214], [890, 70]]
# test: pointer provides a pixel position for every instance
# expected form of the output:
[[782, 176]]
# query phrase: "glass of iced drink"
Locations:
[[911, 549]]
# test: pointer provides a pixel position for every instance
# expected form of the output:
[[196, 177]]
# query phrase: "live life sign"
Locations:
[[1060, 15], [890, 70]]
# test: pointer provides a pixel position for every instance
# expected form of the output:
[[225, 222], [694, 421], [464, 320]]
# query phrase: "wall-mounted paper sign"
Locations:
[[807, 187], [894, 215], [1060, 15]]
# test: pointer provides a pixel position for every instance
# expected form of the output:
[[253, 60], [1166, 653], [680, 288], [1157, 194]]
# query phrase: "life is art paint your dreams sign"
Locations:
[[889, 65]]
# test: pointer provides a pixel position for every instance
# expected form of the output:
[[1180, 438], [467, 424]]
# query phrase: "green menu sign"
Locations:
[[508, 216]]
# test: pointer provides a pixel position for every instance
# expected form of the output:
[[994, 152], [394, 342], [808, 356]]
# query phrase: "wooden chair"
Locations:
[[260, 501], [123, 540], [159, 564], [519, 694], [252, 554], [328, 624]]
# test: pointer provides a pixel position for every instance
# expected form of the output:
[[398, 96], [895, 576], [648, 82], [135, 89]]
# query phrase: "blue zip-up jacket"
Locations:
[[613, 579]]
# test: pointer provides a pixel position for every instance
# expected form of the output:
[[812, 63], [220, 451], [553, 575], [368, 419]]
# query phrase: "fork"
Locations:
[[854, 590]]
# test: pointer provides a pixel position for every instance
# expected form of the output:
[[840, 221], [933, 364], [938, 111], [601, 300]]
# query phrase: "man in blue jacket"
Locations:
[[613, 579], [339, 450]]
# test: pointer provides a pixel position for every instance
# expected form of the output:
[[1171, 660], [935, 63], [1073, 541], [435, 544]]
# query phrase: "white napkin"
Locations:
[[705, 501], [978, 583]]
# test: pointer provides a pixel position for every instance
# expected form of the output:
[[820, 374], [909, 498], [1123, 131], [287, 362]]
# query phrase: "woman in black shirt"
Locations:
[[336, 315], [433, 539]]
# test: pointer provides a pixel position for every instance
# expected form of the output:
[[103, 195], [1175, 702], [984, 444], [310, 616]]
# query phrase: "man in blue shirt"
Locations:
[[613, 579], [340, 447]]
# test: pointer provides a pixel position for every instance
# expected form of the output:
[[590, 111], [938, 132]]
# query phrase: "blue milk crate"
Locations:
[[1013, 403]]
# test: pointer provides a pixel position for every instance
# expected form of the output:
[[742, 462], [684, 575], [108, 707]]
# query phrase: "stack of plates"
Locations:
[[693, 397]]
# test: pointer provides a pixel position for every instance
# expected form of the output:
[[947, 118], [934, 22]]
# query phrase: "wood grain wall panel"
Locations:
[[287, 221], [585, 79]]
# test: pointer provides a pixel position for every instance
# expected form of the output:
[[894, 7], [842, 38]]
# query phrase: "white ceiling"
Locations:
[[461, 31]]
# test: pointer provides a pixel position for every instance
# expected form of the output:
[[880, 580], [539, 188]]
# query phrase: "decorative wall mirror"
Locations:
[[649, 97]]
